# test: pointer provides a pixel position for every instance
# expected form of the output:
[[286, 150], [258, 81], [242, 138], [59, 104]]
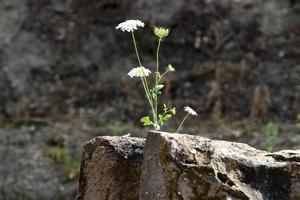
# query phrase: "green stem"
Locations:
[[162, 76], [156, 74], [157, 59], [139, 60], [136, 49], [144, 80], [147, 88], [182, 122]]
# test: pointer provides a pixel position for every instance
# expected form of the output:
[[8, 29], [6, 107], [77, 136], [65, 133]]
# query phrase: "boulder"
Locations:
[[186, 167], [111, 169]]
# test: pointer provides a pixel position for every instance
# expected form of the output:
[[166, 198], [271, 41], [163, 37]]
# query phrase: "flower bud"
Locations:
[[161, 32], [171, 68]]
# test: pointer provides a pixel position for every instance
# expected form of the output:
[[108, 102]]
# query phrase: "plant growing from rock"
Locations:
[[156, 120]]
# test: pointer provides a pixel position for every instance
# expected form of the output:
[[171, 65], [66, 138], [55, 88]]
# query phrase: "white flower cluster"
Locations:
[[190, 110], [139, 72], [130, 25]]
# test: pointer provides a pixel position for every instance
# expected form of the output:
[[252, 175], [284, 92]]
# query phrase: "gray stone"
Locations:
[[178, 166], [111, 169]]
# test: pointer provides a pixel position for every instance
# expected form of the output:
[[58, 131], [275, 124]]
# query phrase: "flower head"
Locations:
[[161, 32], [130, 25], [190, 110], [171, 68], [139, 72]]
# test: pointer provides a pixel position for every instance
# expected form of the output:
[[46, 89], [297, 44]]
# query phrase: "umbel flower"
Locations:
[[139, 72], [171, 68], [130, 25], [190, 110], [161, 32]]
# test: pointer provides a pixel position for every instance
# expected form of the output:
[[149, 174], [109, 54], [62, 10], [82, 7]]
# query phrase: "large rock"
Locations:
[[186, 167], [111, 169]]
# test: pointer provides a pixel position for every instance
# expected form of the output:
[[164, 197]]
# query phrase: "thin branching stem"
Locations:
[[162, 75], [144, 80], [149, 98], [157, 60], [139, 60], [136, 49], [157, 78], [180, 126]]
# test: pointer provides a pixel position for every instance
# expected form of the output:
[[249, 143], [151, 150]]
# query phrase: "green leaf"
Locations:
[[146, 121], [173, 110], [167, 117], [156, 90], [157, 74], [160, 119], [151, 91], [165, 108], [158, 87], [153, 94]]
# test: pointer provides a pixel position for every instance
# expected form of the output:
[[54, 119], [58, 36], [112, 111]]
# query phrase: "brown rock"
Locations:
[[186, 167], [111, 169]]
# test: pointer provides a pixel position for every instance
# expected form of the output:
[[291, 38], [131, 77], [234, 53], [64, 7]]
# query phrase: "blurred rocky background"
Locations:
[[63, 79]]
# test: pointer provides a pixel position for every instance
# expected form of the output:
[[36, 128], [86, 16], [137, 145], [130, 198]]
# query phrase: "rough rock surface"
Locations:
[[186, 167], [59, 55], [111, 169], [26, 170]]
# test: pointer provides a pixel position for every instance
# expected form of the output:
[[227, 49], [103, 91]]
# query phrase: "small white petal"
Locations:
[[139, 72], [190, 110], [130, 25]]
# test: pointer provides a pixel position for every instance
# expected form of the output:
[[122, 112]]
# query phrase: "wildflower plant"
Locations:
[[157, 119]]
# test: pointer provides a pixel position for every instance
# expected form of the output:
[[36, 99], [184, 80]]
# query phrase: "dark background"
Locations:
[[63, 79]]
